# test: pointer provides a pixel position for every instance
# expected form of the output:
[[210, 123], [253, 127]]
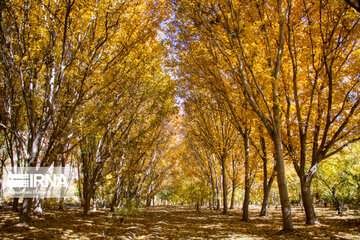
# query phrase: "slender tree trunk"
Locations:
[[62, 199], [117, 194], [37, 206], [120, 203], [212, 184], [218, 185], [264, 205], [245, 210], [25, 211], [307, 199], [94, 204], [62, 190], [149, 196], [61, 204], [245, 216], [266, 196], [15, 205], [223, 175], [266, 188], [218, 199], [148, 201], [197, 206], [276, 133], [263, 211], [112, 205], [114, 199], [338, 205], [232, 203], [281, 180], [213, 200]]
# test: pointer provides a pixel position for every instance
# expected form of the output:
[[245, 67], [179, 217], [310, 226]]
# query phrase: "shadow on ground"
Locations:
[[174, 222]]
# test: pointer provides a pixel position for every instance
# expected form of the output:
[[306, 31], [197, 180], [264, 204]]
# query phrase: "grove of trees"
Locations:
[[192, 102]]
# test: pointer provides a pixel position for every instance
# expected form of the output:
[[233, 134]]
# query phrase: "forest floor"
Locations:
[[175, 222]]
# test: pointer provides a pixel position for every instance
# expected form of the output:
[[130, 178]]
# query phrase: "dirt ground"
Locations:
[[175, 222]]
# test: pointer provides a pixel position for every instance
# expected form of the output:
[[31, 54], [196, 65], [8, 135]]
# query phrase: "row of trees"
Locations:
[[84, 83], [88, 84], [260, 72]]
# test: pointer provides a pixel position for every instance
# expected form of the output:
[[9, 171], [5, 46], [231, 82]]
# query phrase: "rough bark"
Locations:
[[281, 180], [87, 201], [307, 200], [276, 134]]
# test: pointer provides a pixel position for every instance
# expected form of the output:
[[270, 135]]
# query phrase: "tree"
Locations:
[[215, 132], [338, 179], [58, 63], [322, 48], [248, 46], [267, 181]]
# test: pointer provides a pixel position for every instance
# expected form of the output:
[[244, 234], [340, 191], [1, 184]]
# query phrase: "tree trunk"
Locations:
[[218, 186], [281, 180], [223, 175], [218, 199], [212, 184], [266, 189], [213, 200], [87, 200], [112, 207], [25, 211], [61, 204], [148, 202], [94, 204], [37, 208], [117, 195], [113, 202], [245, 216], [15, 205], [264, 205], [276, 133], [266, 196], [308, 201], [245, 210], [232, 203]]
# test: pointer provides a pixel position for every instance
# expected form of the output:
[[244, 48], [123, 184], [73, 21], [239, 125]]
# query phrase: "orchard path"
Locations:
[[175, 222]]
